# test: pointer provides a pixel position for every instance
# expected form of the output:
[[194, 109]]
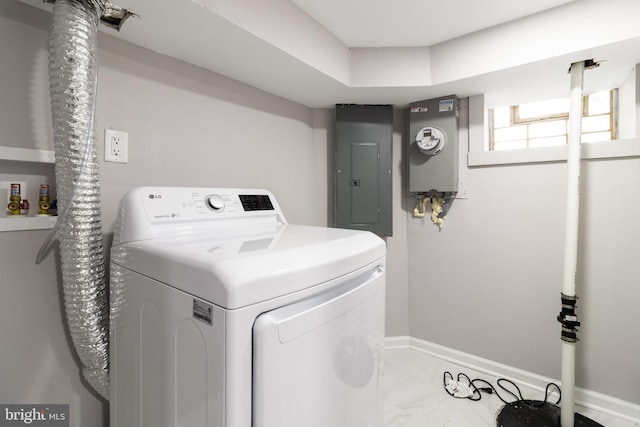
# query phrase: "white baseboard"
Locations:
[[585, 398], [392, 343]]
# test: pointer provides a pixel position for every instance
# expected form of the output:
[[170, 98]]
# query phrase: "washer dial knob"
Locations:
[[215, 202]]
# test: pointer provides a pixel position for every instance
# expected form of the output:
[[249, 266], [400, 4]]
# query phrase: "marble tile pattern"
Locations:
[[414, 395]]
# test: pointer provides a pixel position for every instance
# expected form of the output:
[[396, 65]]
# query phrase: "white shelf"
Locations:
[[26, 155], [30, 168], [27, 223]]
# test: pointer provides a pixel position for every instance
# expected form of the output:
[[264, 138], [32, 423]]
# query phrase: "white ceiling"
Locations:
[[322, 52], [402, 23]]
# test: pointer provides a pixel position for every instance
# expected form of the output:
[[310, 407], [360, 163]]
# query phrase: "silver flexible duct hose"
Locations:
[[72, 79]]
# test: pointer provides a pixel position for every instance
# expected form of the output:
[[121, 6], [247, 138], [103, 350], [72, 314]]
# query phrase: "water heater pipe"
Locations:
[[571, 238]]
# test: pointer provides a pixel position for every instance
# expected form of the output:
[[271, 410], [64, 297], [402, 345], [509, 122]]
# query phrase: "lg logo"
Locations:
[[155, 196]]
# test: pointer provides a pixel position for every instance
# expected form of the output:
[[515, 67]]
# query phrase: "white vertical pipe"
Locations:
[[571, 238], [568, 384]]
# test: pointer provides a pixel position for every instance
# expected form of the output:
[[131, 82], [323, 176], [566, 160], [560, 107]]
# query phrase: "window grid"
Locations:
[[515, 121]]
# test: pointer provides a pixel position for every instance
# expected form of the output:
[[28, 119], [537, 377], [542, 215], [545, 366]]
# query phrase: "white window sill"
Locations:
[[590, 151]]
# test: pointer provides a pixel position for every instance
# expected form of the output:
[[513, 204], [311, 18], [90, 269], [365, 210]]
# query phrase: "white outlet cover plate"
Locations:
[[110, 153]]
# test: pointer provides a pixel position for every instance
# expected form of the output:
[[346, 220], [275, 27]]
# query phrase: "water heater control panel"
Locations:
[[431, 140], [433, 145]]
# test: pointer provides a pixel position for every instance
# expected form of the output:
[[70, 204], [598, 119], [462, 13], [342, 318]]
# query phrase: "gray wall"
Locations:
[[36, 363], [187, 126], [397, 297], [489, 283]]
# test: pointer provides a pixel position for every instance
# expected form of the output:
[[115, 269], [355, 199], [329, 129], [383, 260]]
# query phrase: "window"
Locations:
[[545, 123]]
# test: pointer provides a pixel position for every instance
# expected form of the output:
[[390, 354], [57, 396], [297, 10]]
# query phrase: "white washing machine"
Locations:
[[225, 315]]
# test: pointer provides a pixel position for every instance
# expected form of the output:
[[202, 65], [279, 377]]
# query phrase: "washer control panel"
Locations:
[[169, 204], [256, 202], [215, 202], [148, 212]]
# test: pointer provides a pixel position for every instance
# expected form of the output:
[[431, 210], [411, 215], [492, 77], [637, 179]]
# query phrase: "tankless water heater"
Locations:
[[433, 145]]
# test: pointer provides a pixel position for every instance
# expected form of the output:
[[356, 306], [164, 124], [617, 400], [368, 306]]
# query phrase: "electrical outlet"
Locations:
[[116, 145]]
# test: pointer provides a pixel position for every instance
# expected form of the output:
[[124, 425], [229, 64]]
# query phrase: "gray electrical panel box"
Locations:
[[364, 135], [433, 145]]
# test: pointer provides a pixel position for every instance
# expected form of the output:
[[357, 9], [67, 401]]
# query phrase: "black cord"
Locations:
[[461, 375], [487, 387]]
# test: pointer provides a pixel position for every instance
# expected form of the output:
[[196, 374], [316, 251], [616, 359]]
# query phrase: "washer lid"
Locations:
[[253, 265]]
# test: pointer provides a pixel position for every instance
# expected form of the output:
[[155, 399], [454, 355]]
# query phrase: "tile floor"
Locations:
[[414, 395]]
